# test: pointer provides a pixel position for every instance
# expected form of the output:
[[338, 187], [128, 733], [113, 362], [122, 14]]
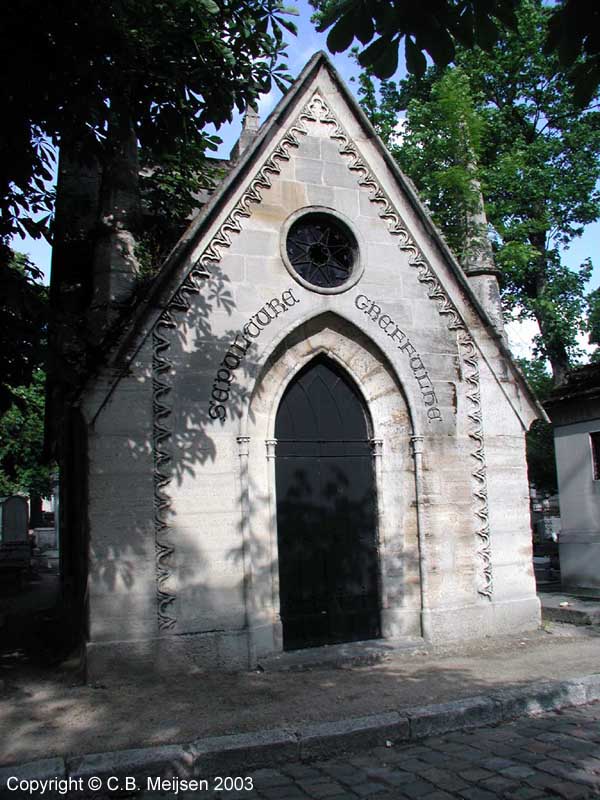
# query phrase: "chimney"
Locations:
[[250, 128]]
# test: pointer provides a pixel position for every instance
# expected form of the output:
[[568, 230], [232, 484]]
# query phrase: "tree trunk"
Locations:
[[554, 346], [556, 352]]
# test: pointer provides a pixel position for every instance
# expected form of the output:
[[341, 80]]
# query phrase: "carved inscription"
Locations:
[[401, 340], [239, 347], [315, 111]]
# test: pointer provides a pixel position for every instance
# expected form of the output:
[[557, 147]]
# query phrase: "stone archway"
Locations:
[[340, 341]]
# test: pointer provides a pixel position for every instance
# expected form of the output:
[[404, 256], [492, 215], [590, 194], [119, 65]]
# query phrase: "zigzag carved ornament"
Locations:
[[316, 110]]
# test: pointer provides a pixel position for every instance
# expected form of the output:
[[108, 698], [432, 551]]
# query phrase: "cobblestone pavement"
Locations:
[[556, 755]]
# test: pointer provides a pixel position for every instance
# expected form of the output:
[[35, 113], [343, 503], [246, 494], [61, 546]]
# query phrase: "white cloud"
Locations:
[[520, 339], [267, 103]]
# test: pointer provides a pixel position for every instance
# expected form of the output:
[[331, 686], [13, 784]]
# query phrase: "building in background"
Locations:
[[574, 409]]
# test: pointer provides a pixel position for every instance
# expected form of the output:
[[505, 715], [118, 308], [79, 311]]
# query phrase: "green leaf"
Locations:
[[416, 63], [364, 23], [333, 12], [210, 7], [486, 31], [381, 56], [288, 11], [585, 78], [288, 25], [504, 10], [341, 35], [440, 47]]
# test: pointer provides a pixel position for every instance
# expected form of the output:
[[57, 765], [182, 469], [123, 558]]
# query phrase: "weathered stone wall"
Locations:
[[122, 564]]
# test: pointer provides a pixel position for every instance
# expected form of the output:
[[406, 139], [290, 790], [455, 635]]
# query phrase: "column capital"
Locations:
[[271, 445], [416, 443], [243, 445]]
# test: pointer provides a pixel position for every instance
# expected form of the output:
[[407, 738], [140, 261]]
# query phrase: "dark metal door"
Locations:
[[326, 511]]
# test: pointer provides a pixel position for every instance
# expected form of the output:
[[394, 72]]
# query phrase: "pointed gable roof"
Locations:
[[180, 276]]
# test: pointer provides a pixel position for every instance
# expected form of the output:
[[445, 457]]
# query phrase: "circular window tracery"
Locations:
[[322, 250]]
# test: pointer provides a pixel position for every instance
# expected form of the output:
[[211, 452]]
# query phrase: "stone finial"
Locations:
[[250, 128], [478, 261]]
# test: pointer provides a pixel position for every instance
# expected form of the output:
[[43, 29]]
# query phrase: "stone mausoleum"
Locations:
[[311, 430]]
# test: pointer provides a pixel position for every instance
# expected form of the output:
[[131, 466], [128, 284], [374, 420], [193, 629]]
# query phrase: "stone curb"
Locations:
[[44, 769], [445, 717], [240, 753], [323, 739], [142, 763], [220, 754]]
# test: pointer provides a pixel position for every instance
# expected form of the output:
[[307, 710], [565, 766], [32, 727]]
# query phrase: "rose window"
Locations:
[[321, 250]]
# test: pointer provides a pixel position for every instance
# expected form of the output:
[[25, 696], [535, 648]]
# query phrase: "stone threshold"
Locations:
[[347, 654]]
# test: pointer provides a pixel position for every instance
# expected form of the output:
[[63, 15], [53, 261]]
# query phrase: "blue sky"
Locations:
[[301, 49]]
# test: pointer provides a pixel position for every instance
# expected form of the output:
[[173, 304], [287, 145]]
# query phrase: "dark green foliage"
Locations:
[[541, 459], [23, 329], [594, 321], [170, 183], [23, 320], [441, 28], [537, 376], [574, 32], [176, 64], [22, 468], [381, 105], [436, 28]]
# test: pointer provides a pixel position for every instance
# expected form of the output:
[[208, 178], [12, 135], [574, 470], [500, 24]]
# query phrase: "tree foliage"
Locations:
[[441, 28], [438, 148], [23, 319], [594, 323], [538, 167], [176, 64], [435, 28], [22, 466], [574, 33], [170, 183]]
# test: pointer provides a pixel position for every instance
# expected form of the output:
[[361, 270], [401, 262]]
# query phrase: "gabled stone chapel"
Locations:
[[311, 431]]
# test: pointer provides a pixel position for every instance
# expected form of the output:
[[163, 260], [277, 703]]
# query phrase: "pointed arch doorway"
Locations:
[[326, 511]]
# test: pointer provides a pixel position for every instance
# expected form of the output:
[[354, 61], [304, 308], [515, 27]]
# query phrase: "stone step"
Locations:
[[571, 609], [349, 654]]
